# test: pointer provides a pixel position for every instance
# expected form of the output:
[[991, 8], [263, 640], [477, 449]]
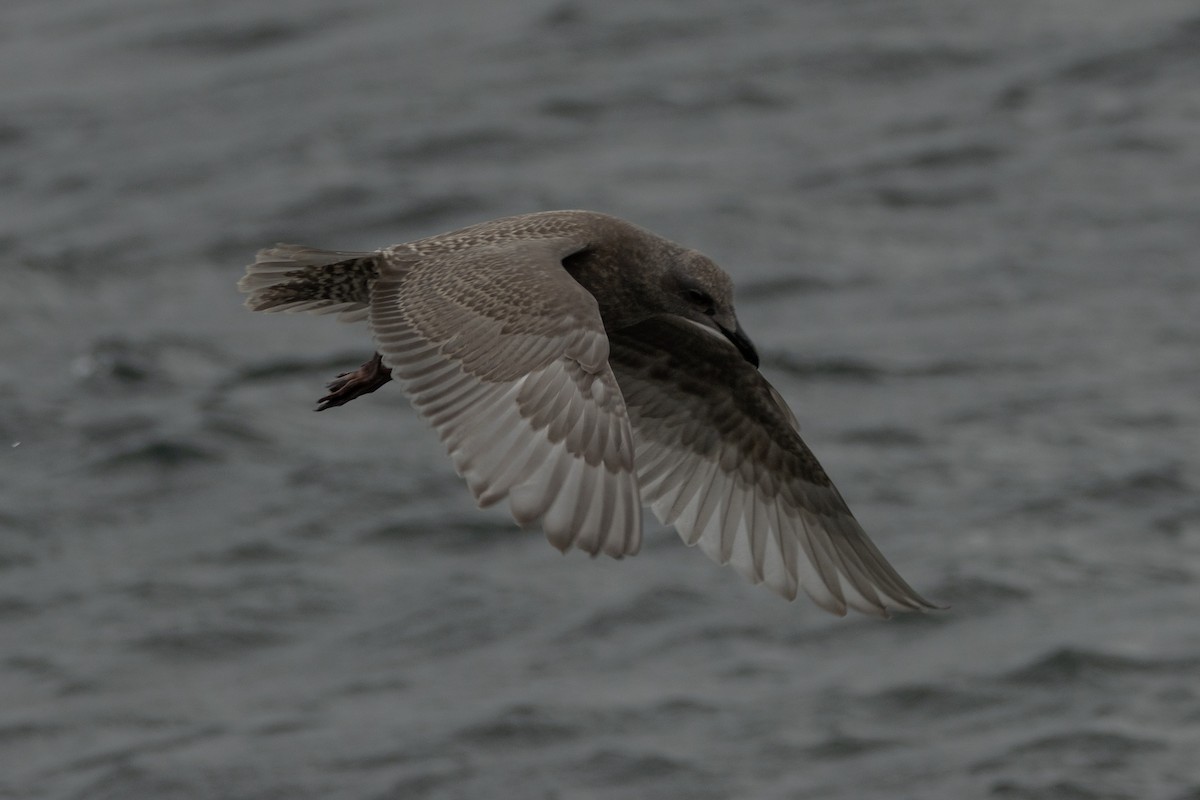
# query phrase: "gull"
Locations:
[[580, 367]]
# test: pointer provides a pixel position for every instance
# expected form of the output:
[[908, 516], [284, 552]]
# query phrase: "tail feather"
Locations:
[[289, 277]]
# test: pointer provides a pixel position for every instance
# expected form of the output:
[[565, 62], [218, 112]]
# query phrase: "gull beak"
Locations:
[[741, 342]]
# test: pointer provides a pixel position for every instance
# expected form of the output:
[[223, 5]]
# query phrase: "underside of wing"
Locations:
[[720, 457]]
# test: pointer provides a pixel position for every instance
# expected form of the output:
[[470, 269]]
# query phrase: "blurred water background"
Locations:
[[964, 236]]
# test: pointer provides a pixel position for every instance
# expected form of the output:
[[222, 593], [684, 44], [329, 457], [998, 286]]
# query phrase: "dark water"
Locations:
[[965, 238]]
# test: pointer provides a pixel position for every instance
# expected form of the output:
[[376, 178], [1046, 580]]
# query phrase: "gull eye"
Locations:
[[700, 298]]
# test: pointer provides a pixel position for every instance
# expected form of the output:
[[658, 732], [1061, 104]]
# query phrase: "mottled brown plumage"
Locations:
[[578, 366]]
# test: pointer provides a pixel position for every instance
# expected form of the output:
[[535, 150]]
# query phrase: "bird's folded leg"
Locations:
[[349, 385]]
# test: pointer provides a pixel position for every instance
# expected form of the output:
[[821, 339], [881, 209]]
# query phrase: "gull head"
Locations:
[[700, 292]]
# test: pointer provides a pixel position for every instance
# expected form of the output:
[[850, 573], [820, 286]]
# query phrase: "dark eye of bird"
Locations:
[[699, 298]]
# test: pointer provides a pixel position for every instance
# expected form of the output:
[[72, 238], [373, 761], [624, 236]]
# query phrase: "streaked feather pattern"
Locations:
[[534, 415]]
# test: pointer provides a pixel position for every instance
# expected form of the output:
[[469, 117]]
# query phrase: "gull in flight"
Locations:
[[580, 367]]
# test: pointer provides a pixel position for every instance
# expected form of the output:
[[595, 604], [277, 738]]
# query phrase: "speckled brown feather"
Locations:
[[295, 278]]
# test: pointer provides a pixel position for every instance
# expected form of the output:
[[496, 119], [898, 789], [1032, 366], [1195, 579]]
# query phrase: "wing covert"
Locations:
[[521, 393]]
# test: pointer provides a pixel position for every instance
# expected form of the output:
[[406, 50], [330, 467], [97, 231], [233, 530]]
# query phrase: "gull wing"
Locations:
[[505, 355], [719, 456]]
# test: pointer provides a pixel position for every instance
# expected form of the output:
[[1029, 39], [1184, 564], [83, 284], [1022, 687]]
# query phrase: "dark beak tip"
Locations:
[[743, 344]]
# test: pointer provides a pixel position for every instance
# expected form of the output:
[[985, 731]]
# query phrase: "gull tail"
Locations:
[[290, 277]]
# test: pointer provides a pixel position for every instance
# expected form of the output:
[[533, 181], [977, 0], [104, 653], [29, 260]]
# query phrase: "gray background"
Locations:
[[964, 236]]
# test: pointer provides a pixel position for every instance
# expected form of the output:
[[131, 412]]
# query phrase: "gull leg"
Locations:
[[349, 385]]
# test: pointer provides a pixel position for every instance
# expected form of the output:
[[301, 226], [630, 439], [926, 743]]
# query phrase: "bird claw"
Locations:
[[349, 385]]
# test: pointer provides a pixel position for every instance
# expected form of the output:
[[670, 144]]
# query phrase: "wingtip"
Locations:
[[927, 606], [915, 603]]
